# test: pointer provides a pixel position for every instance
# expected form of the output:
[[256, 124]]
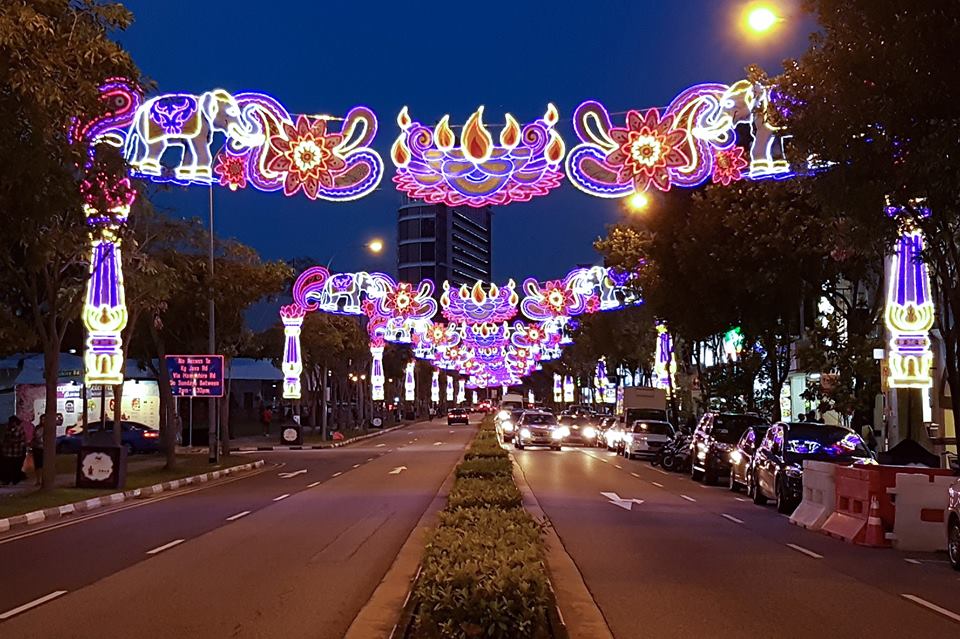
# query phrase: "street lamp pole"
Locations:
[[212, 430]]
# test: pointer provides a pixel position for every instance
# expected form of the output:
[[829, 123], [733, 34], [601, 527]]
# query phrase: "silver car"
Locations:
[[953, 525]]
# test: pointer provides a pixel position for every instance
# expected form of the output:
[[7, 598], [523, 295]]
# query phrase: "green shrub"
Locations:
[[485, 467], [483, 575], [497, 492], [486, 448]]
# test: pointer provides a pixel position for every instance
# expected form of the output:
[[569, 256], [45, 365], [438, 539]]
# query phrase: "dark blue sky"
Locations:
[[439, 57]]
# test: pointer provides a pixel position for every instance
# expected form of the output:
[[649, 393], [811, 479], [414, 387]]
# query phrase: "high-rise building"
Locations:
[[439, 242]]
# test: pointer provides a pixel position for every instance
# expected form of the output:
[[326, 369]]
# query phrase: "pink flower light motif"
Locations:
[[648, 148], [305, 152], [232, 171], [402, 301], [729, 166], [592, 304]]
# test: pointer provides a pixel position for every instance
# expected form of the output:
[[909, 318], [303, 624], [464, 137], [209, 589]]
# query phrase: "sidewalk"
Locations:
[[312, 439]]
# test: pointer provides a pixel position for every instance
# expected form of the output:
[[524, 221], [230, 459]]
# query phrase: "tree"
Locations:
[[873, 96], [54, 55]]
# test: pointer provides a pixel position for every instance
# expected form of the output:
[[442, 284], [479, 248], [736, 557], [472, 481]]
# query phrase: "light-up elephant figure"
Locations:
[[190, 122]]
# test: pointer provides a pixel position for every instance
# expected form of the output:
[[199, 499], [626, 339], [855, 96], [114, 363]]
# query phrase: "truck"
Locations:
[[642, 402]]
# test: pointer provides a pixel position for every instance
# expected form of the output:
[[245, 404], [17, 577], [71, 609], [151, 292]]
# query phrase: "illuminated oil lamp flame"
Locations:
[[399, 151], [552, 116], [404, 119], [444, 135], [479, 296], [476, 142], [510, 135], [555, 149]]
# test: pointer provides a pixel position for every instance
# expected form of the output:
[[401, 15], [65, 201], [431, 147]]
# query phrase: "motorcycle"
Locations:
[[675, 454]]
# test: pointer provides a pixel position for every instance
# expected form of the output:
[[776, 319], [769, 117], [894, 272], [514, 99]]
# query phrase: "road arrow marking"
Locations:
[[626, 504], [397, 470], [302, 471]]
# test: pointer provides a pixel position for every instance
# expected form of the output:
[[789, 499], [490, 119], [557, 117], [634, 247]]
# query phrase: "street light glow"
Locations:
[[375, 246], [638, 202], [761, 18]]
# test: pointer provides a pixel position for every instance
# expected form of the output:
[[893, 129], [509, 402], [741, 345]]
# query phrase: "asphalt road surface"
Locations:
[[294, 551], [695, 561]]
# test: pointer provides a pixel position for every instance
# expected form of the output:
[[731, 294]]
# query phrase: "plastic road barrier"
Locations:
[[819, 495], [921, 512]]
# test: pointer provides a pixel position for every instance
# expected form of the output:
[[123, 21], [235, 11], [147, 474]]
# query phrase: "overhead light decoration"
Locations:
[[435, 387], [664, 362], [568, 389], [733, 343], [409, 382], [909, 312], [478, 172], [692, 140], [449, 388], [462, 391]]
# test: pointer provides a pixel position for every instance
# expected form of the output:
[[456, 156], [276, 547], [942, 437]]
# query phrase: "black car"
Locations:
[[458, 416], [777, 471], [582, 429], [137, 438], [742, 455], [714, 440], [538, 429]]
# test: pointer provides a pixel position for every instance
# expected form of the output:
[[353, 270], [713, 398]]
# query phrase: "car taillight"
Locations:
[[150, 434]]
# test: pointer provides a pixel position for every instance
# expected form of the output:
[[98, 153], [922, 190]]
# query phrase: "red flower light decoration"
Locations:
[[306, 153], [648, 147], [592, 304], [232, 172], [403, 300], [557, 297], [728, 166]]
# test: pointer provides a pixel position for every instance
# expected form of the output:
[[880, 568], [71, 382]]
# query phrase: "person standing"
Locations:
[[266, 418], [36, 449], [13, 450]]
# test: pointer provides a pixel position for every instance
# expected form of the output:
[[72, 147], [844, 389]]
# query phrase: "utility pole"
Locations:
[[212, 430]]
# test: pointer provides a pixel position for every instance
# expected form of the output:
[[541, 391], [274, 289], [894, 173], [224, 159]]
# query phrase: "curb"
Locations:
[[47, 514], [579, 611], [378, 617], [249, 449]]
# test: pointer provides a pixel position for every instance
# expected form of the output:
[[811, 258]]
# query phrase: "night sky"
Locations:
[[439, 57]]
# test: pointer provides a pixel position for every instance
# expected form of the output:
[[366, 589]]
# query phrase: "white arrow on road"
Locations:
[[626, 504], [398, 470], [302, 471]]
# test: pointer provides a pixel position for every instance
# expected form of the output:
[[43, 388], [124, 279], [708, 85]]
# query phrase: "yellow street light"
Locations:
[[760, 18], [375, 246], [638, 202]]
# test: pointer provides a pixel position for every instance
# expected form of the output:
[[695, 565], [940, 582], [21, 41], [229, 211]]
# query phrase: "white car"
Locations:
[[953, 525], [646, 438]]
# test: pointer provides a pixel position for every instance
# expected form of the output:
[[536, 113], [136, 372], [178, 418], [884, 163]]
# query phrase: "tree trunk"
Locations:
[[51, 375], [117, 416], [168, 427], [323, 401]]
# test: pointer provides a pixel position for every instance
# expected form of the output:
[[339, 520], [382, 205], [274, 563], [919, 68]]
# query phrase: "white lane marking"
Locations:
[[635, 475], [380, 445], [731, 518], [238, 515], [451, 432], [662, 472], [313, 485], [175, 542], [438, 443], [33, 604], [808, 553], [688, 498], [605, 461], [338, 473], [356, 465], [618, 466], [657, 484], [397, 470], [915, 562], [283, 496], [371, 459], [932, 606], [302, 471], [741, 499]]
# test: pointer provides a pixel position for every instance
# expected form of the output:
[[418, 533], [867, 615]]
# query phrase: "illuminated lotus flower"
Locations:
[[729, 165], [592, 304], [648, 148], [557, 297], [306, 154], [402, 300], [368, 307], [232, 171]]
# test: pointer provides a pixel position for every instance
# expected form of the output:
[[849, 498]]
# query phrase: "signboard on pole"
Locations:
[[196, 375]]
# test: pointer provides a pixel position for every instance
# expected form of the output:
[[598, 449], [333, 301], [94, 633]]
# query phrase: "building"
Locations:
[[438, 242]]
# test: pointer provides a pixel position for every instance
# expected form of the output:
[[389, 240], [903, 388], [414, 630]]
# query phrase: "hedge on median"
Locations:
[[483, 572]]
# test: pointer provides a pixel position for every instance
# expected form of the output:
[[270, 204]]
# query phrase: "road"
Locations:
[[697, 561], [282, 553]]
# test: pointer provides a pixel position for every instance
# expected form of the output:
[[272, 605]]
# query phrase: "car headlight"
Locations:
[[503, 415], [627, 438], [557, 433], [508, 426], [736, 457], [589, 432], [524, 433]]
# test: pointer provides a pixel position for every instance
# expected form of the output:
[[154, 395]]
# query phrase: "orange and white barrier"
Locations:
[[921, 503], [819, 495]]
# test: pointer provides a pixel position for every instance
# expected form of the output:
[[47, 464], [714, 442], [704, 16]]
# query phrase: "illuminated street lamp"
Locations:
[[375, 245], [759, 19], [638, 202]]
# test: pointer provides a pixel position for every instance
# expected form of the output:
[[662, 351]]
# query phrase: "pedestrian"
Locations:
[[802, 417], [13, 450], [36, 449], [266, 417], [830, 416]]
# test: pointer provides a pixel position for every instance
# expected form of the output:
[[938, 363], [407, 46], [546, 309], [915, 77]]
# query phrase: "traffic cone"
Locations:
[[874, 534]]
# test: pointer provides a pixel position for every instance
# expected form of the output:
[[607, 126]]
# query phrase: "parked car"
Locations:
[[507, 428], [137, 438], [742, 455], [713, 441], [646, 438], [538, 428], [953, 525], [582, 429], [458, 416], [777, 469]]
